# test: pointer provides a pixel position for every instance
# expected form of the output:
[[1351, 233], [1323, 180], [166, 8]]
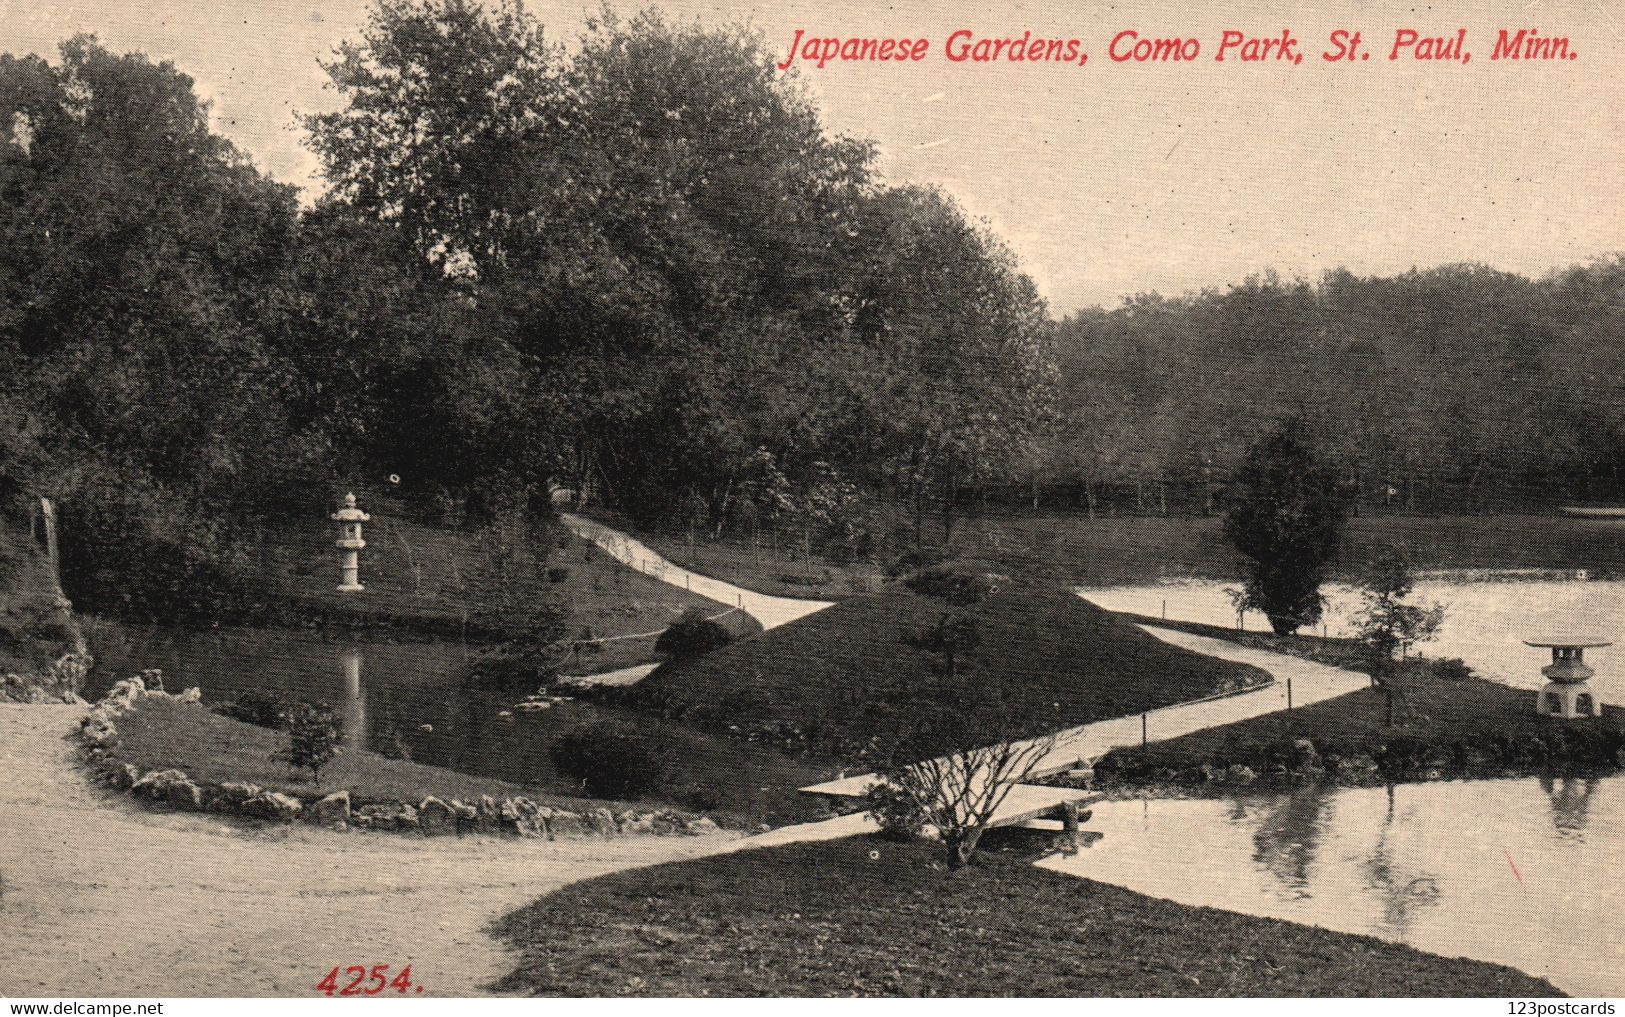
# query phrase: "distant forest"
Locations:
[[641, 266], [1452, 389]]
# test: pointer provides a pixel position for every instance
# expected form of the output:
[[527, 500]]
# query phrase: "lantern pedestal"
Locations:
[[350, 544], [1568, 695]]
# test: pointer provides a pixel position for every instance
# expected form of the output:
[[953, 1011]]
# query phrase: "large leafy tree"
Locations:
[[951, 354], [1287, 522], [147, 270], [648, 236], [145, 262]]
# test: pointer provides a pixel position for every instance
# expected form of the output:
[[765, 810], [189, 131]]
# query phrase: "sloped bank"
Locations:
[[169, 751]]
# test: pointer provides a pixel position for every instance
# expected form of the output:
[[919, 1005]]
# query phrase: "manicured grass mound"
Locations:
[[828, 682], [1449, 725], [829, 920]]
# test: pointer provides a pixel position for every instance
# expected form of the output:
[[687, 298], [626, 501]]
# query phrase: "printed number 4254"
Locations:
[[377, 980]]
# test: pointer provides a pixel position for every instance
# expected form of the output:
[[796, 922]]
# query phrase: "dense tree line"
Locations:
[[640, 264], [1453, 389]]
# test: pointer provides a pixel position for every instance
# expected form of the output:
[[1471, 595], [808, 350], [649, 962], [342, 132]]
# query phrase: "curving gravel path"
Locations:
[[770, 611], [100, 897]]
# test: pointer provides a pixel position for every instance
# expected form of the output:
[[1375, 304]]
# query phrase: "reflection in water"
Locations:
[[355, 701], [404, 699], [1399, 891], [1570, 799], [1287, 835], [1495, 870]]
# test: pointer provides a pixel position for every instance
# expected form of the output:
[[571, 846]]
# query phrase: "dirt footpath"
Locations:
[[100, 897]]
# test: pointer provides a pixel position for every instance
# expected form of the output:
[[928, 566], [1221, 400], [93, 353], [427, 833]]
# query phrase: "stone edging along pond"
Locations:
[[515, 816]]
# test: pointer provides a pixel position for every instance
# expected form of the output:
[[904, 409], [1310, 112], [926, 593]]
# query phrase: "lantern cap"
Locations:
[[349, 513], [1561, 641]]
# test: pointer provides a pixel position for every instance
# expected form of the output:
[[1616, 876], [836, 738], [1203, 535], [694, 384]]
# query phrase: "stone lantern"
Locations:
[[1568, 693], [350, 543]]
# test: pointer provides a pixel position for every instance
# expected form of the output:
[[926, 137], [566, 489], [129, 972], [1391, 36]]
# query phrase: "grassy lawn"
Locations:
[[829, 682], [451, 581], [163, 733], [739, 785], [1135, 549], [830, 919]]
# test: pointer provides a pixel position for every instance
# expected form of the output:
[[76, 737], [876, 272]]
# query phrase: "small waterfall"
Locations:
[[47, 512]]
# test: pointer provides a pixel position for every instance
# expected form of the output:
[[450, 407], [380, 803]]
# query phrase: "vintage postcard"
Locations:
[[676, 498]]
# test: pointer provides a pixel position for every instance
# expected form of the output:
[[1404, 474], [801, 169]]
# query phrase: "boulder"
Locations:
[[333, 810], [435, 817], [153, 781], [393, 816], [600, 821], [183, 794], [1358, 767], [1239, 774], [232, 795], [632, 823], [467, 816], [1305, 757], [523, 817], [700, 826], [565, 824], [273, 805], [172, 787], [124, 776], [102, 733], [490, 819], [124, 694], [191, 695]]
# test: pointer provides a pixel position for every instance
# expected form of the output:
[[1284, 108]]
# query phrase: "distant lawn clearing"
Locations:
[[827, 919], [1134, 550], [827, 683]]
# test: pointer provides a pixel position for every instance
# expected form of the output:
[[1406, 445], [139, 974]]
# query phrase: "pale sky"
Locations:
[[1107, 179]]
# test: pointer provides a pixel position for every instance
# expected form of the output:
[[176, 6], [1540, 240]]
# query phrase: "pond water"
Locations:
[[1518, 872], [1486, 619], [385, 691]]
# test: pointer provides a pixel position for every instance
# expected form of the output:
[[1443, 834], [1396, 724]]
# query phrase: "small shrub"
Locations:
[[915, 559], [261, 711], [899, 816], [956, 585], [691, 636], [1452, 669], [613, 759], [514, 665], [313, 738], [557, 575]]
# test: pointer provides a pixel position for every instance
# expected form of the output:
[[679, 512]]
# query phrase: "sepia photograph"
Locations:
[[649, 499]]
